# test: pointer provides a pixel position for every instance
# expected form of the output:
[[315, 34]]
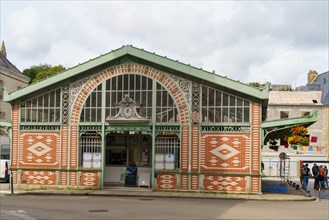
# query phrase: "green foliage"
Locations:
[[41, 71], [52, 71], [256, 84]]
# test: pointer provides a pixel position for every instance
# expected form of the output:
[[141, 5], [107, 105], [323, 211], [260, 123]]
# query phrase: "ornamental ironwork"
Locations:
[[65, 104], [218, 128], [90, 128], [76, 88], [195, 103], [40, 127], [167, 129], [184, 85]]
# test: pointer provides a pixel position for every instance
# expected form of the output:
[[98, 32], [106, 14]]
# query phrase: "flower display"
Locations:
[[298, 136]]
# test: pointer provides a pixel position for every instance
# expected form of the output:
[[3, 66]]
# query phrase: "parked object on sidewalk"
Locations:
[[4, 170]]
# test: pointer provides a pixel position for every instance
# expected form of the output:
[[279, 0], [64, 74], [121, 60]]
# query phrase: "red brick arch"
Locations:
[[131, 69]]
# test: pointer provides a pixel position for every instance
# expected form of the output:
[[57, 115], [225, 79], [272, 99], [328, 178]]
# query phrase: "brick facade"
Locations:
[[209, 161]]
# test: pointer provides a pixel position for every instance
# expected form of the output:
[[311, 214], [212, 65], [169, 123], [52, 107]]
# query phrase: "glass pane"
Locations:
[[225, 115], [34, 102], [144, 83], [99, 115], [57, 115], [52, 99], [40, 101], [99, 99], [22, 115], [34, 115], [46, 100], [232, 101], [125, 79], [132, 82], [204, 96], [225, 99], [108, 84], [246, 115], [45, 115], [58, 98], [40, 115], [232, 115], [87, 103], [138, 81], [93, 99], [114, 83], [218, 98], [120, 83], [93, 115], [211, 97], [239, 115], [218, 115], [239, 102]]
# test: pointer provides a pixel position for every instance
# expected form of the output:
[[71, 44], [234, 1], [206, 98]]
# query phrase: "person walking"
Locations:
[[315, 173], [306, 175], [326, 176]]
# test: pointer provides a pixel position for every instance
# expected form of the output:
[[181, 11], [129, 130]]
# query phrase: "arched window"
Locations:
[[140, 89]]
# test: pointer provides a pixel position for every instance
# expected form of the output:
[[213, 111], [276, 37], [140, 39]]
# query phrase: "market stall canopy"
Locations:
[[278, 129]]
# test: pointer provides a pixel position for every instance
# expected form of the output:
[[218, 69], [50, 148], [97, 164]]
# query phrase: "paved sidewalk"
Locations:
[[145, 192]]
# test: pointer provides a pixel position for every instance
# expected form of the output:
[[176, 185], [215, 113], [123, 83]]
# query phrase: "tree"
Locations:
[[38, 72], [256, 84], [46, 73]]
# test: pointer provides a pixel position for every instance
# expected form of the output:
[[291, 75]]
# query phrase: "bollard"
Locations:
[[297, 186], [12, 184], [290, 182], [293, 184]]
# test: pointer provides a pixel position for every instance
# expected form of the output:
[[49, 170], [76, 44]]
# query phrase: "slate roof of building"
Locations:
[[6, 64], [295, 98]]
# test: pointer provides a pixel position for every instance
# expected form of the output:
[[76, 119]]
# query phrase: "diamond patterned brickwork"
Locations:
[[225, 152], [39, 149], [225, 184], [167, 181], [89, 179], [39, 177]]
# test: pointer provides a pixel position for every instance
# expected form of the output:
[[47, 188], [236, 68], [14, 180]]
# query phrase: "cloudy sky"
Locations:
[[276, 41]]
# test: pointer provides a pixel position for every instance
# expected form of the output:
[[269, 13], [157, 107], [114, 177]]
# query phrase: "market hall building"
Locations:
[[176, 127]]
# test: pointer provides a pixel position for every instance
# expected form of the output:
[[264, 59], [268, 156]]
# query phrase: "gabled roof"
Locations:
[[7, 65], [150, 57]]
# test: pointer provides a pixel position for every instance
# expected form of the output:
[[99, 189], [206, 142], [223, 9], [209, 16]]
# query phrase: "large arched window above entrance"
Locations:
[[139, 88]]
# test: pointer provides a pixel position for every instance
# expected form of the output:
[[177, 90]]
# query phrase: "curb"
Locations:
[[263, 197]]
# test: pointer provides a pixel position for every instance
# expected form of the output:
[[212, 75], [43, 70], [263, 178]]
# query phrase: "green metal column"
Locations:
[[103, 132], [153, 129]]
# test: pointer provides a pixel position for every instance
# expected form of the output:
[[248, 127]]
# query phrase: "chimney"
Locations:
[[311, 76]]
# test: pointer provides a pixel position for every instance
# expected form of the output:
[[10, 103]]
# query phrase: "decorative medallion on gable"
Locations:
[[127, 113]]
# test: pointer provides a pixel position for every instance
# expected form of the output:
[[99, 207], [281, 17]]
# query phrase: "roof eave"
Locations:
[[152, 57]]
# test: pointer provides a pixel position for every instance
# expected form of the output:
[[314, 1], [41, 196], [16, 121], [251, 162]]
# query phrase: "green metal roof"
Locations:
[[148, 56]]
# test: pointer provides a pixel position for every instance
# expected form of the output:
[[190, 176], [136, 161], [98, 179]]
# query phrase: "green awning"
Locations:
[[278, 129]]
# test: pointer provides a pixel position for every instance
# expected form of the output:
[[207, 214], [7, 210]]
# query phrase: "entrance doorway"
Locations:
[[123, 150]]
